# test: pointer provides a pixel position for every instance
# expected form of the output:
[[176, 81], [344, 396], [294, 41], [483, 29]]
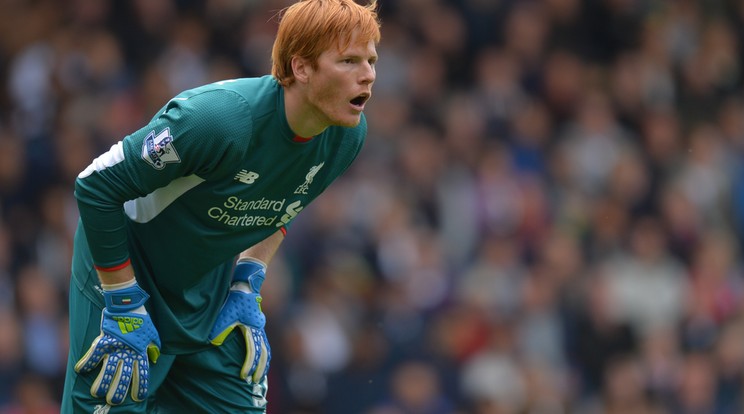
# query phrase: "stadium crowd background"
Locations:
[[547, 216]]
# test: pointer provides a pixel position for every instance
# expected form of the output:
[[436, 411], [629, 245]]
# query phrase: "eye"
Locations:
[[348, 61]]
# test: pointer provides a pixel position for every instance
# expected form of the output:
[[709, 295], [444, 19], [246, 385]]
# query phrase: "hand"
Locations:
[[242, 309], [128, 338]]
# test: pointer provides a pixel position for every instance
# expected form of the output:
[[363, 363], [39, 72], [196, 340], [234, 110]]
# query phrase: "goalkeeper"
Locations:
[[179, 220]]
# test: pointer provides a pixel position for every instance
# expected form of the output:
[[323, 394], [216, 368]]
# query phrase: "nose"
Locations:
[[368, 73]]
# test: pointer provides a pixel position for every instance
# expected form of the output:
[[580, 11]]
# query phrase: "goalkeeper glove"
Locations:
[[242, 309], [127, 339]]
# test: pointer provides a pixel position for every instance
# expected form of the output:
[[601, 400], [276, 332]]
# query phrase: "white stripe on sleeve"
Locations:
[[108, 159], [144, 209]]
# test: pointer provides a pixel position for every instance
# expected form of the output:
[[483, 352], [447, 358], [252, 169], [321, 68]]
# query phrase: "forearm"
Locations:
[[104, 222], [265, 250]]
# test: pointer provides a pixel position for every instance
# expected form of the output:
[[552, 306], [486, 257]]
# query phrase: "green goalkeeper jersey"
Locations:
[[216, 170]]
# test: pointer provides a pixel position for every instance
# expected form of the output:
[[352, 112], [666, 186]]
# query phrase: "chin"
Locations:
[[348, 122]]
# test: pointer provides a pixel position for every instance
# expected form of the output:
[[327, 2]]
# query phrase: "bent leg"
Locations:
[[85, 325], [209, 382]]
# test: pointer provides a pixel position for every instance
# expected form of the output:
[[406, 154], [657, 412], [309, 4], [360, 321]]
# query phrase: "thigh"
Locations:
[[85, 325], [209, 382]]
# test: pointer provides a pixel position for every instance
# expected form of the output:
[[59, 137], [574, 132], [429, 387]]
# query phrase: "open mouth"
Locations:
[[360, 100]]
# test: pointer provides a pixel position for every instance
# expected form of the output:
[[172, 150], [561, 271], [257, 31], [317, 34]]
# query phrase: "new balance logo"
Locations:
[[246, 177], [128, 324]]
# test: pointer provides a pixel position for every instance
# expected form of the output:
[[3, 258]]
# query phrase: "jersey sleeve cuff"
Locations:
[[283, 230], [113, 268]]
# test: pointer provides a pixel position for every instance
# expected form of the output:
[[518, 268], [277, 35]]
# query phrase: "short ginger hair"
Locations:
[[309, 27]]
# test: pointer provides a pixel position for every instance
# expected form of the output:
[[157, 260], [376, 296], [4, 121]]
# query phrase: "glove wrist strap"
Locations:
[[250, 271], [126, 299]]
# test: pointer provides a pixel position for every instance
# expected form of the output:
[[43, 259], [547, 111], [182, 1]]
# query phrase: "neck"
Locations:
[[302, 117]]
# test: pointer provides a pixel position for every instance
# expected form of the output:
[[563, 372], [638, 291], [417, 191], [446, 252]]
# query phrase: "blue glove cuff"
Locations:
[[251, 272], [125, 300]]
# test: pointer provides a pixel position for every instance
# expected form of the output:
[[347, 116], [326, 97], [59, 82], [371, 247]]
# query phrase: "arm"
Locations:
[[265, 250], [191, 144], [242, 309]]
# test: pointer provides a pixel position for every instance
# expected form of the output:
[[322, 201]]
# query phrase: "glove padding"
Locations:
[[242, 309], [126, 342]]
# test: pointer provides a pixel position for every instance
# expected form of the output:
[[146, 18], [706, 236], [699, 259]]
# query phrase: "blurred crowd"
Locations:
[[546, 218]]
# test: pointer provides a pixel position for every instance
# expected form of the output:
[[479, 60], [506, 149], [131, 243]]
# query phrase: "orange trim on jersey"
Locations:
[[298, 138], [113, 268], [283, 230]]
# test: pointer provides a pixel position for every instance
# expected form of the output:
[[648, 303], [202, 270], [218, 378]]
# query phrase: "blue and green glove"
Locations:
[[242, 309], [127, 340]]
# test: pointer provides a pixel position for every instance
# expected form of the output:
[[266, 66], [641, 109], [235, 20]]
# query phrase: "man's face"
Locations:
[[342, 83]]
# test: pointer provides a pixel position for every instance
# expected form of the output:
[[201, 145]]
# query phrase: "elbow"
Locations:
[[80, 190]]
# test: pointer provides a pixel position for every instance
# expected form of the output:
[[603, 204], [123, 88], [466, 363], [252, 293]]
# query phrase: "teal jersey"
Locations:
[[216, 170]]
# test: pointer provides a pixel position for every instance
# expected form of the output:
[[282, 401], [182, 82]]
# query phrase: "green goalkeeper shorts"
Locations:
[[203, 382]]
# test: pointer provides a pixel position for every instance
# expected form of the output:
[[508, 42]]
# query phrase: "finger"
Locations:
[[135, 385], [92, 357], [263, 362], [100, 385], [140, 377], [252, 351], [120, 383], [153, 352], [219, 333]]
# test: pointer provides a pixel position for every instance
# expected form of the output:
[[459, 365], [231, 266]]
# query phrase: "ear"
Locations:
[[301, 69]]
